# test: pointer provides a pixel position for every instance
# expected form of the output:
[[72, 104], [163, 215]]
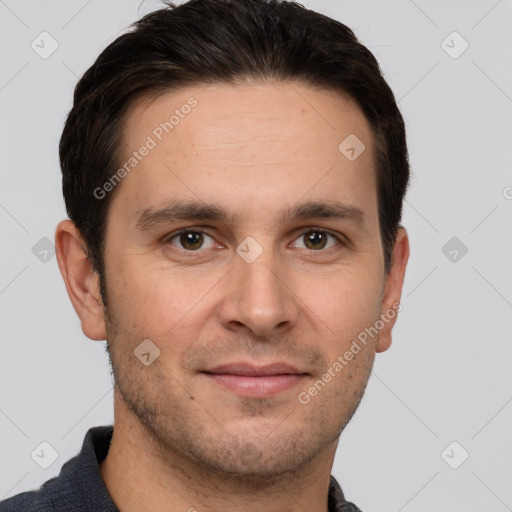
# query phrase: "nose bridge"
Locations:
[[259, 279], [257, 297]]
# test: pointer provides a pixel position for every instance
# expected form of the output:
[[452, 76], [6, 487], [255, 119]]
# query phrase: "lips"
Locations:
[[255, 371], [255, 381]]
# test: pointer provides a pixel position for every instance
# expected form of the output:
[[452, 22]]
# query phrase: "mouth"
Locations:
[[255, 381]]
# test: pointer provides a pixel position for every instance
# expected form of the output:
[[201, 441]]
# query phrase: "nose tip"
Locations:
[[262, 323]]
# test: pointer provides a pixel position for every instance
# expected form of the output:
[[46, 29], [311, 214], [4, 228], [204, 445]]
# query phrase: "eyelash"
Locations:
[[168, 239]]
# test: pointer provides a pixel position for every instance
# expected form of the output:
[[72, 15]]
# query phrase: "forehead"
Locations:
[[249, 143]]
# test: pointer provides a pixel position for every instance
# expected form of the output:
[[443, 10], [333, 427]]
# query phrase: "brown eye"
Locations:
[[192, 240], [316, 240]]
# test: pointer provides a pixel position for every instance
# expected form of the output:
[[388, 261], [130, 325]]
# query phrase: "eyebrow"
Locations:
[[200, 211]]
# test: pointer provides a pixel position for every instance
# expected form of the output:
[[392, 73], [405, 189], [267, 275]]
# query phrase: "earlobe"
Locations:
[[393, 288], [82, 282]]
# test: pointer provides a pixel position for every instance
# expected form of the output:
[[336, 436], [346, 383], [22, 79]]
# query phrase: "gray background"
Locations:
[[447, 375]]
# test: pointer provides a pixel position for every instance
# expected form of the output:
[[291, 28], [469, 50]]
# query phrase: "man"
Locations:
[[234, 173]]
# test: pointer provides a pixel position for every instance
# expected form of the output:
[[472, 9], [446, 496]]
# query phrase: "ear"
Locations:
[[393, 288], [82, 283]]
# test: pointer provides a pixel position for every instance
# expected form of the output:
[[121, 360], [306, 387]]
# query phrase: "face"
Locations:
[[245, 246]]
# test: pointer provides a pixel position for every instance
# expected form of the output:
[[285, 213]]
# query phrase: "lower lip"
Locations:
[[251, 386]]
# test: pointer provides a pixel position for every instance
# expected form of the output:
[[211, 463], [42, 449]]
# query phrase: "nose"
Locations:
[[257, 300]]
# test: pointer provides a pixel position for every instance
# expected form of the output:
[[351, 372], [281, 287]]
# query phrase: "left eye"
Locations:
[[192, 240], [317, 239]]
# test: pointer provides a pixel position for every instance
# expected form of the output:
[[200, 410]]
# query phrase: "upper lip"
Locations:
[[255, 370]]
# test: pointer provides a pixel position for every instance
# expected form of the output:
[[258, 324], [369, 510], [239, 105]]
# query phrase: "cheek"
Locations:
[[157, 303], [346, 303]]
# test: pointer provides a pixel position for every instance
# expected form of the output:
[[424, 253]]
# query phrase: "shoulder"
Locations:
[[77, 488], [40, 500]]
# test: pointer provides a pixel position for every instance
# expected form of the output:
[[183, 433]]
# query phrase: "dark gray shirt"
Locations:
[[80, 487]]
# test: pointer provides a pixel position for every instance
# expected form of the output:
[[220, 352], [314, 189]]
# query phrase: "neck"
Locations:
[[143, 476]]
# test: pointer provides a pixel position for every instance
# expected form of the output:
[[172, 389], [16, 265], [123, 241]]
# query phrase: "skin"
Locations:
[[181, 441]]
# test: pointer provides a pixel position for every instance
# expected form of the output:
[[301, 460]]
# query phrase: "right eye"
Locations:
[[191, 240]]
